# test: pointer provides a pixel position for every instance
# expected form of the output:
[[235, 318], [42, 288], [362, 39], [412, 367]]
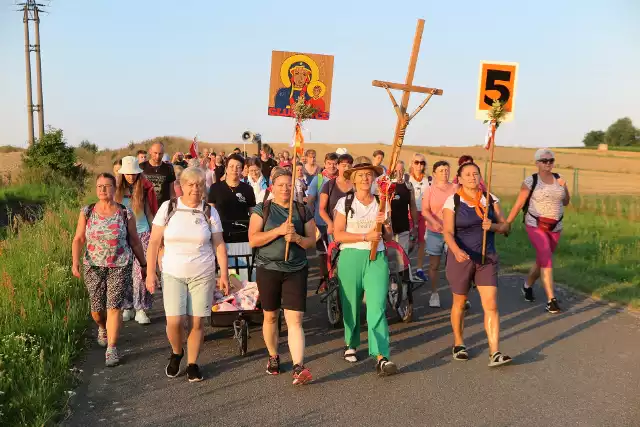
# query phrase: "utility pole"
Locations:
[[31, 12]]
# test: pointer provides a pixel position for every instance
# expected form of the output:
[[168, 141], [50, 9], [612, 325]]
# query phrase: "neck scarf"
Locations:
[[480, 210], [418, 179], [326, 174]]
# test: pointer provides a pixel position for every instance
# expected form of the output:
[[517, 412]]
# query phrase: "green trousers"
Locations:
[[358, 275]]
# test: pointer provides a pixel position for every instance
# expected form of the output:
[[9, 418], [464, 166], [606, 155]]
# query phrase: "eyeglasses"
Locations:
[[547, 161], [104, 187], [420, 162]]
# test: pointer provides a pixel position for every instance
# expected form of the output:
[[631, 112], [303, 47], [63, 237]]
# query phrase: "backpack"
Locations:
[[173, 208], [122, 209], [351, 195], [525, 207]]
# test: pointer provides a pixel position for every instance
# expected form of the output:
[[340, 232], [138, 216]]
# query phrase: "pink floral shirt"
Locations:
[[107, 244]]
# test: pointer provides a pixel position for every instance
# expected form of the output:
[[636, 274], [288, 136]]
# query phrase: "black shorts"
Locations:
[[279, 289]]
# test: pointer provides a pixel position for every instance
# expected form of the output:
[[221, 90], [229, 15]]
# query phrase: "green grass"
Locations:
[[43, 314], [10, 149], [598, 251], [610, 148]]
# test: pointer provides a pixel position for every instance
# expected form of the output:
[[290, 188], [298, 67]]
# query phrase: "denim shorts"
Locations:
[[191, 296], [435, 243]]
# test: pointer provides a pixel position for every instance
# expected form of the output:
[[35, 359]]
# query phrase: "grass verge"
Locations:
[[43, 316], [598, 254]]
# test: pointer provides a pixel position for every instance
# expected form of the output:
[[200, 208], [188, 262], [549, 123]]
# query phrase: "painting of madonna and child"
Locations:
[[295, 75]]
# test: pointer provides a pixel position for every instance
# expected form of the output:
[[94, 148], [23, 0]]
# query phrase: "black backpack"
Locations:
[[173, 208], [348, 203], [525, 207], [122, 210], [266, 209], [456, 205]]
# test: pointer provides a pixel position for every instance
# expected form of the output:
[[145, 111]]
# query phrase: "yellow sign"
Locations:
[[497, 82]]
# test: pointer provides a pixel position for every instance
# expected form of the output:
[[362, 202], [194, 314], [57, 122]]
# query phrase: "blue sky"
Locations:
[[117, 70]]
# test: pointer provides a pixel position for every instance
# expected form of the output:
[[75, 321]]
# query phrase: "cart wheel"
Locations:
[[243, 337], [334, 311]]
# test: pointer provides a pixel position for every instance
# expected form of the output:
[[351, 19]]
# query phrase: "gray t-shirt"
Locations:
[[331, 189]]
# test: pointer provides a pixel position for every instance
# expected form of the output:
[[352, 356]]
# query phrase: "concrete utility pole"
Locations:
[[31, 12]]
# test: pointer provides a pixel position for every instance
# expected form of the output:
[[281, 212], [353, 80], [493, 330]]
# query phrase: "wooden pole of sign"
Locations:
[[293, 191], [488, 177], [403, 117]]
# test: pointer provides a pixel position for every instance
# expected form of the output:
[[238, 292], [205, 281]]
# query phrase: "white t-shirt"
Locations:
[[362, 222], [547, 200], [418, 188], [188, 251]]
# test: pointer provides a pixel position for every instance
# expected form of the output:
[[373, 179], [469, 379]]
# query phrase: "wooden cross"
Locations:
[[401, 110]]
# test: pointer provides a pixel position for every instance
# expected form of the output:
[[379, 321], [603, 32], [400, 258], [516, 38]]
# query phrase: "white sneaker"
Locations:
[[127, 315], [434, 301], [142, 318]]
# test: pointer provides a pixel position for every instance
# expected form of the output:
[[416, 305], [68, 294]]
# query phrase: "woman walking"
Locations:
[[136, 193], [542, 198], [433, 201], [356, 218], [420, 182], [282, 283], [192, 233], [464, 226], [107, 230]]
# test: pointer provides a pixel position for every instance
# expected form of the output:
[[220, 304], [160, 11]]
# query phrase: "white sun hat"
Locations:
[[130, 166], [341, 151]]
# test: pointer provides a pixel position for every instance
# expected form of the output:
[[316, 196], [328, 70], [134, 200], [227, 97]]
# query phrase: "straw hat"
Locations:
[[363, 162], [130, 166]]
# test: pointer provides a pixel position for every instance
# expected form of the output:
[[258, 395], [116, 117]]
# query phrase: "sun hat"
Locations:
[[166, 158], [341, 151], [130, 166], [363, 162]]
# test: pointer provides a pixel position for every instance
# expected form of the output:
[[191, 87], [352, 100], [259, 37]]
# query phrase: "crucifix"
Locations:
[[401, 110]]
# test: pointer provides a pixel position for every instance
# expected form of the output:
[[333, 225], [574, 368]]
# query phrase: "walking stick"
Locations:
[[293, 186], [492, 140]]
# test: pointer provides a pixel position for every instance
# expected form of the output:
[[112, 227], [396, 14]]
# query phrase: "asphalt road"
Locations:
[[581, 367]]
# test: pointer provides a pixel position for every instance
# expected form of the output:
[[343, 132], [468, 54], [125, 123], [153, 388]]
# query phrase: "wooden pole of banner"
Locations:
[[488, 177], [403, 117], [293, 191]]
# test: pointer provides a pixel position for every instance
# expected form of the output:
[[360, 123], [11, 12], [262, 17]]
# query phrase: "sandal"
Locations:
[[460, 353], [350, 355], [385, 367], [498, 359]]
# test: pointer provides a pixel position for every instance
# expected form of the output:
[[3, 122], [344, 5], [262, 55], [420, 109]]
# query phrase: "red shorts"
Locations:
[[545, 244]]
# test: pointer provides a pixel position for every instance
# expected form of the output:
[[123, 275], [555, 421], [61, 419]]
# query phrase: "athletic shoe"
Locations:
[[421, 276], [301, 375], [111, 357], [434, 301], [193, 373], [384, 367], [273, 365], [128, 315], [528, 293], [102, 337], [142, 318], [173, 367], [553, 307]]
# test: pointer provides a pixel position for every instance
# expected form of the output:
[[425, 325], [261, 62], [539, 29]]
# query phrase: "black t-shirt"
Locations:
[[400, 209], [162, 178], [267, 166], [219, 171], [233, 206]]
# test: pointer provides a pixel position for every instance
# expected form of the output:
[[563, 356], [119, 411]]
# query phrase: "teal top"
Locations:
[[142, 225], [271, 255]]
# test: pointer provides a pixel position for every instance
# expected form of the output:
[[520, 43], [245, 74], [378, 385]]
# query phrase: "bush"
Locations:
[[10, 149], [93, 148], [51, 155]]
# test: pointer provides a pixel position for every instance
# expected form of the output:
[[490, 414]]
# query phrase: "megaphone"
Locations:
[[251, 137]]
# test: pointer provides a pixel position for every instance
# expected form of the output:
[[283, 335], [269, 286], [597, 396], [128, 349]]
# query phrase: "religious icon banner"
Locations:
[[295, 75]]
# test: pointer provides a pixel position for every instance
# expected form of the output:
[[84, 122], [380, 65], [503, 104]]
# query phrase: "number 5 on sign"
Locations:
[[497, 82]]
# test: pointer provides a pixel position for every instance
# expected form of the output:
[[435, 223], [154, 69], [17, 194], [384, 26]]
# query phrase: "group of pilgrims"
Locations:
[[170, 223]]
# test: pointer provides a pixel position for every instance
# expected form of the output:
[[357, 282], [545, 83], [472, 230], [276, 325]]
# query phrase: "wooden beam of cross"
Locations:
[[401, 110]]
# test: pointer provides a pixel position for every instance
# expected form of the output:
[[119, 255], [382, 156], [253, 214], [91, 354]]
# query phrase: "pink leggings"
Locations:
[[545, 243]]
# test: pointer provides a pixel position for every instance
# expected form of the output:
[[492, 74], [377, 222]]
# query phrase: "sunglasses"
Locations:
[[420, 162], [547, 161]]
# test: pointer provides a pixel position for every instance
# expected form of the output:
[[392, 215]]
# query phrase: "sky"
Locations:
[[116, 71]]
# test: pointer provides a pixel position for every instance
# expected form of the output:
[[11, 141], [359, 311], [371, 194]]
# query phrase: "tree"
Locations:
[[622, 133], [89, 146], [51, 154], [593, 138]]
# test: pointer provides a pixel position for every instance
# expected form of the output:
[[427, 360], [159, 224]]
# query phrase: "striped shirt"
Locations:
[[546, 201]]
